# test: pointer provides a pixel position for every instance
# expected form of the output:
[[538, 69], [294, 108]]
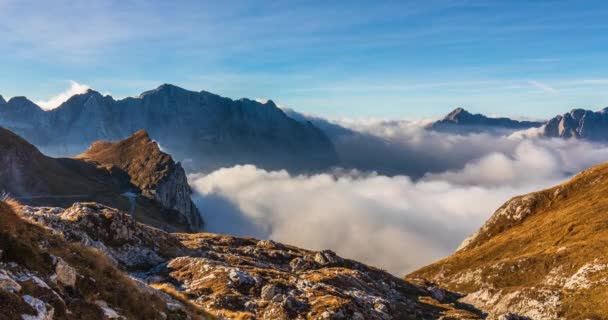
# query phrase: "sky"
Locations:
[[380, 59]]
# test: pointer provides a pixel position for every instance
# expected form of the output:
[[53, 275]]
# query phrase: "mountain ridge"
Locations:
[[208, 130], [460, 119]]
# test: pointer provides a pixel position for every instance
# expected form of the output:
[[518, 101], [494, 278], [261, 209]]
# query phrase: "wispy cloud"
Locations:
[[543, 86], [57, 100]]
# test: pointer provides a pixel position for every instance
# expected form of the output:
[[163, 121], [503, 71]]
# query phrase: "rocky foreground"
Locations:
[[228, 277], [543, 255]]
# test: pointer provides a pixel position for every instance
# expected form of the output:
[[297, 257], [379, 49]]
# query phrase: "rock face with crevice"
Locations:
[[539, 256], [245, 278]]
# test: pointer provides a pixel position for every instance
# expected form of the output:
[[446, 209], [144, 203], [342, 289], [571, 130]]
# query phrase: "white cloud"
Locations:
[[542, 86], [389, 222], [395, 223], [56, 101]]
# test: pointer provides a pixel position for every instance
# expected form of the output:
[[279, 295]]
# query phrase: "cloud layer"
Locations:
[[393, 222]]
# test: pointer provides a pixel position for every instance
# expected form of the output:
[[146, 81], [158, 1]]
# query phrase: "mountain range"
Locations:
[[460, 120], [578, 123], [205, 130]]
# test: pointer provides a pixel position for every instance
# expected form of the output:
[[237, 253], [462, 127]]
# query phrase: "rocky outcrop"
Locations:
[[154, 172], [460, 120], [246, 278], [44, 277], [579, 123], [208, 130], [539, 256]]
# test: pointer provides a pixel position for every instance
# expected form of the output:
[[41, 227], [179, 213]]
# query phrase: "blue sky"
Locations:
[[399, 59]]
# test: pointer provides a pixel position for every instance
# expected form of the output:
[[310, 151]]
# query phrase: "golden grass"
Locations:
[[574, 216]]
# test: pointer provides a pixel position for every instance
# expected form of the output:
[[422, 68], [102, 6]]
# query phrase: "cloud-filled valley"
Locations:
[[395, 221]]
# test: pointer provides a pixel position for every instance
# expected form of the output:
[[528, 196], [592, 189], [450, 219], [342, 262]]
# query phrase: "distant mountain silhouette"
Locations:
[[461, 120], [579, 123], [207, 131]]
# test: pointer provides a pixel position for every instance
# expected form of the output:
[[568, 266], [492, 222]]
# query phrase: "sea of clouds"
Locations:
[[415, 196]]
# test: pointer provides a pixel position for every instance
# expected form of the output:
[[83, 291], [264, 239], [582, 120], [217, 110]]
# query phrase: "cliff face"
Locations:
[[132, 175], [244, 278], [154, 172], [540, 255], [208, 130]]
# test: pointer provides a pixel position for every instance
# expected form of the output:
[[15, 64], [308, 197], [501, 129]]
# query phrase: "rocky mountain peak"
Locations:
[[2, 101], [456, 114], [153, 171], [23, 103]]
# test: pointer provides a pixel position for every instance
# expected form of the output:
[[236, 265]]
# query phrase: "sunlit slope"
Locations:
[[542, 255]]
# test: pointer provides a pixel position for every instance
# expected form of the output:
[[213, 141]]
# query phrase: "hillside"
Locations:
[[244, 278], [42, 276], [33, 178], [207, 130], [542, 255]]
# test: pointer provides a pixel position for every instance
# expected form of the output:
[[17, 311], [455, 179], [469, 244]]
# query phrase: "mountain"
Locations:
[[150, 185], [205, 130], [543, 255], [243, 278], [462, 121], [579, 123]]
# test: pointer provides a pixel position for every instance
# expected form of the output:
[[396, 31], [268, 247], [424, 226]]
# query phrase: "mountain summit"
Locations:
[[208, 130], [460, 120]]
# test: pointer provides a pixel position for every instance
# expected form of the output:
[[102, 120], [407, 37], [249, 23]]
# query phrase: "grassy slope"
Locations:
[[567, 228]]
